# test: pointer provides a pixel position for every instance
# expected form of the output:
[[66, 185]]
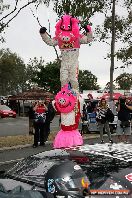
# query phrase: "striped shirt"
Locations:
[[101, 112]]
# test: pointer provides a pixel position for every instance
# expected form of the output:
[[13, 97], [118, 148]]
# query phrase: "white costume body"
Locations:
[[69, 64], [68, 119]]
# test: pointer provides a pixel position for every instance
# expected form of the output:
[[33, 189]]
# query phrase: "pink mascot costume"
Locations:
[[68, 38], [66, 103]]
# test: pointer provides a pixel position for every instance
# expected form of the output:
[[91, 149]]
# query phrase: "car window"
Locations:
[[31, 169], [4, 107]]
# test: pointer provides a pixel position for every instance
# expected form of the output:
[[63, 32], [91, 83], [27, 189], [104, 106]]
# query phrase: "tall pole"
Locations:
[[112, 49]]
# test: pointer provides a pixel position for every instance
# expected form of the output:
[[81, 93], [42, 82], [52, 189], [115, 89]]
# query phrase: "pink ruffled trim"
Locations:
[[66, 139]]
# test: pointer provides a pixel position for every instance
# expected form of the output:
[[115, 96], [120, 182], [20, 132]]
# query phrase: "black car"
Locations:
[[107, 166]]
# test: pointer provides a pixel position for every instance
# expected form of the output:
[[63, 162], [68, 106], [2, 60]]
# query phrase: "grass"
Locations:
[[10, 141]]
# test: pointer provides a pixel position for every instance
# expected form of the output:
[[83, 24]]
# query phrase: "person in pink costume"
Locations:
[[68, 38], [65, 103]]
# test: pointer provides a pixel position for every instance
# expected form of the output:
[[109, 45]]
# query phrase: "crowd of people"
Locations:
[[105, 111], [41, 113]]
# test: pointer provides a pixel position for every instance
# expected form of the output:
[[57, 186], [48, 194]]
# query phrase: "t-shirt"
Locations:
[[40, 114], [124, 113], [40, 109]]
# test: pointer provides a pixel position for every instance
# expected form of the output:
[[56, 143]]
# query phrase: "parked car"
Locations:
[[108, 168], [5, 111]]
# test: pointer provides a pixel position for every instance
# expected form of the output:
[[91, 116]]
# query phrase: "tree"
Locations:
[[48, 76], [118, 29], [33, 68], [7, 18], [2, 8], [12, 73], [125, 52], [124, 81], [87, 81], [107, 86]]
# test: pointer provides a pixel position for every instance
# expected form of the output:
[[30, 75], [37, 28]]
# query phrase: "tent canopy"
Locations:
[[115, 96], [33, 94]]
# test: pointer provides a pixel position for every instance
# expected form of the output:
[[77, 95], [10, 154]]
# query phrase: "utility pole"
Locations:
[[112, 49]]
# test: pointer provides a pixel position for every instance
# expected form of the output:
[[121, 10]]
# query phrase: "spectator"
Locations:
[[2, 102], [31, 118], [49, 116], [89, 108], [84, 113], [123, 126], [112, 106], [39, 123], [129, 104], [103, 124]]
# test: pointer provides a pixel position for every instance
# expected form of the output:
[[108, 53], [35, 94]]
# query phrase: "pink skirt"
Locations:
[[66, 139]]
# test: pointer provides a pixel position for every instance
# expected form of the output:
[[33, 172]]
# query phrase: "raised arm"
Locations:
[[46, 38], [87, 38]]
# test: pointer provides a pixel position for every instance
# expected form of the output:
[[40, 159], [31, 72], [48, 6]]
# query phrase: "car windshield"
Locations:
[[4, 107], [102, 169], [31, 169]]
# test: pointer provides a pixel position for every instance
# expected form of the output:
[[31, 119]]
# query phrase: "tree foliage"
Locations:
[[6, 18], [107, 86], [124, 81], [33, 68], [87, 81], [3, 7], [12, 73], [122, 27], [48, 76], [83, 9]]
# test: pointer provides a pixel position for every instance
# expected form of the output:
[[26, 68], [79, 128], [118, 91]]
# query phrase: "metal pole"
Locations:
[[112, 49]]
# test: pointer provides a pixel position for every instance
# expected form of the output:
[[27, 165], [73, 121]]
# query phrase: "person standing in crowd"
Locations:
[[88, 107], [39, 123], [49, 117], [31, 118], [123, 126], [102, 121], [84, 113], [112, 106]]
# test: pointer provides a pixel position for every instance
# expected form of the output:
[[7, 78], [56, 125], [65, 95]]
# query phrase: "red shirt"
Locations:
[[40, 109]]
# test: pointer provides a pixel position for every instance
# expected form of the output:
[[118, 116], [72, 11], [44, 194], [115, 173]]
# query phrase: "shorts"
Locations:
[[122, 131]]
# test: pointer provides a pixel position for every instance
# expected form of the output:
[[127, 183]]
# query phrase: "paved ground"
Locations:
[[20, 126]]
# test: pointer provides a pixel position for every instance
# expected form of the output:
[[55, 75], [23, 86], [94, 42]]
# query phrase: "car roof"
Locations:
[[98, 161]]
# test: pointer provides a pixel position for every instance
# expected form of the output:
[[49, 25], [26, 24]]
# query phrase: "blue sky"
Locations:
[[22, 37]]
